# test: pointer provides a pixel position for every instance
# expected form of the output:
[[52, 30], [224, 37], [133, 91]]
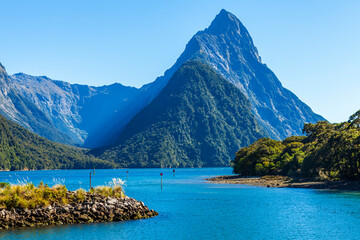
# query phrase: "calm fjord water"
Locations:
[[189, 208]]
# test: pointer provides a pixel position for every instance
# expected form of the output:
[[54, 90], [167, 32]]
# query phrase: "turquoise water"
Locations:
[[190, 208]]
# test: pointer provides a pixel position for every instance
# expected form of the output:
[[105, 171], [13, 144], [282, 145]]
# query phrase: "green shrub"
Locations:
[[107, 191], [80, 194], [29, 196], [4, 185]]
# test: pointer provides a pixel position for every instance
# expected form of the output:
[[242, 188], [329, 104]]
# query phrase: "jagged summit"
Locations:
[[225, 21], [227, 29]]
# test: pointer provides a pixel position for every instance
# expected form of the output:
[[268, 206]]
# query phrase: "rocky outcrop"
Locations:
[[94, 208]]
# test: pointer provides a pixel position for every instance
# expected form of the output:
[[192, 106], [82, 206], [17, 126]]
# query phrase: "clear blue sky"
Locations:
[[312, 46]]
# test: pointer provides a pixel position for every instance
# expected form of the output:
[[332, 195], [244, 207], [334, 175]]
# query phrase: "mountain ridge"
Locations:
[[71, 107], [234, 55], [225, 45], [18, 109]]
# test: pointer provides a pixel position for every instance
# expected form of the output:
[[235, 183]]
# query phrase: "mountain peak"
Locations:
[[227, 47], [226, 15], [224, 22]]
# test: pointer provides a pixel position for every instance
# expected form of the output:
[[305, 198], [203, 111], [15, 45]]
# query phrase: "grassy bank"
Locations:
[[29, 196]]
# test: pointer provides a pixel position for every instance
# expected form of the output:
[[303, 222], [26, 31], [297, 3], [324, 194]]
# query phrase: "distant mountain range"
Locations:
[[107, 117], [22, 111], [78, 111]]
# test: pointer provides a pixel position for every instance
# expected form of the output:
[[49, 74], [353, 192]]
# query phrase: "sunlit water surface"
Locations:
[[190, 208]]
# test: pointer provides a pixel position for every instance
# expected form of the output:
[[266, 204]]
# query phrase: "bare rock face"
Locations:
[[94, 208], [58, 103], [18, 109], [79, 111]]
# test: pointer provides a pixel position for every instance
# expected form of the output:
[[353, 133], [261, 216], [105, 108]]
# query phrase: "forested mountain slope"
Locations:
[[198, 120], [21, 149]]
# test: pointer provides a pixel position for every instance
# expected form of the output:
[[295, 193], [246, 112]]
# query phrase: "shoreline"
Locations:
[[285, 182]]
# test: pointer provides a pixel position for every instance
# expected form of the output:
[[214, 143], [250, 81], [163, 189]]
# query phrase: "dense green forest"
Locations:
[[327, 151], [198, 120], [21, 149]]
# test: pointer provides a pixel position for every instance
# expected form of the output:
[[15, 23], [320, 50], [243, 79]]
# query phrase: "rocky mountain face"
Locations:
[[79, 111], [71, 113], [227, 46], [18, 109], [198, 120]]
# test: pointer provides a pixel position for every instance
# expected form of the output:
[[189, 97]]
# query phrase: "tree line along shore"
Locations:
[[327, 156]]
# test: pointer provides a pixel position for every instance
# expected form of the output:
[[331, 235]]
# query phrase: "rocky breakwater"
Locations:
[[93, 208]]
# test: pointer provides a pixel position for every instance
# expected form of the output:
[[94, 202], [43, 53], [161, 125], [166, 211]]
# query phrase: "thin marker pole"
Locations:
[[127, 175], [91, 172], [161, 179], [174, 172]]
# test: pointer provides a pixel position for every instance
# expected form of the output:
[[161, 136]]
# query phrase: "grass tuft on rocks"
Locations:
[[28, 196], [115, 191]]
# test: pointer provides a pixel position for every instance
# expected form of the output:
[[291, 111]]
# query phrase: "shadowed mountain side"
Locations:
[[198, 120]]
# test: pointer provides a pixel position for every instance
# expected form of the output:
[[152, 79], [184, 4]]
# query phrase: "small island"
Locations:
[[29, 206], [327, 157]]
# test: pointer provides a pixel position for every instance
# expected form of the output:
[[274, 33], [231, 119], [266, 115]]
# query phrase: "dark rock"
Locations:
[[83, 217]]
